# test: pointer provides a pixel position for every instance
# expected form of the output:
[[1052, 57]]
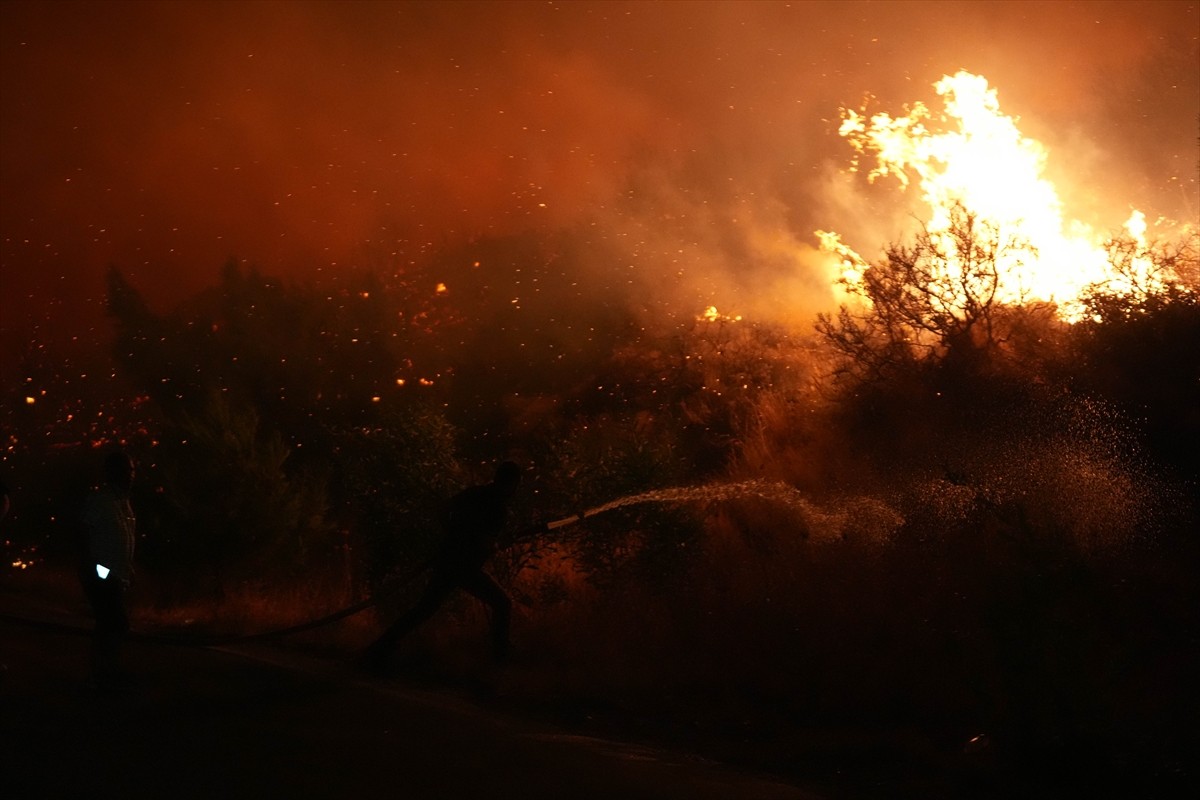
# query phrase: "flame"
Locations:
[[973, 156], [712, 315]]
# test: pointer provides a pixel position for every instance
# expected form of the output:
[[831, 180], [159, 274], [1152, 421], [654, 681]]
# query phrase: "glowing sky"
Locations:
[[302, 137]]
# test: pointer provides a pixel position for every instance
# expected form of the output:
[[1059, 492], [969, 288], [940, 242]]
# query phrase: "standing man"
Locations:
[[474, 520], [109, 528]]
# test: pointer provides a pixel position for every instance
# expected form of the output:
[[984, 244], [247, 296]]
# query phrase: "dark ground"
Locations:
[[260, 721], [274, 718]]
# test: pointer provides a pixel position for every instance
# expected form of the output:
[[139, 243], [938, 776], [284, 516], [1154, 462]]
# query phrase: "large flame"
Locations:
[[974, 157]]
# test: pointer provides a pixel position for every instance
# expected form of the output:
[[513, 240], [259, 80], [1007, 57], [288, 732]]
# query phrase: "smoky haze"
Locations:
[[700, 138]]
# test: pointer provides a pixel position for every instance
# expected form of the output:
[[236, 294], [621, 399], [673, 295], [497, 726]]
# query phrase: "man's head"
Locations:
[[508, 477], [118, 471]]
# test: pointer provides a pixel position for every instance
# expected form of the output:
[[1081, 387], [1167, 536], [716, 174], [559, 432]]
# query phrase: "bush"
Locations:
[[234, 510]]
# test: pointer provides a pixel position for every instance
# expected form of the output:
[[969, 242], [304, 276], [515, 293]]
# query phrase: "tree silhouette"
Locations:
[[932, 300], [1136, 347], [266, 398]]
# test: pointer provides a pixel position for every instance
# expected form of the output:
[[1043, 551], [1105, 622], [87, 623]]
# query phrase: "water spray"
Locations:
[[776, 491]]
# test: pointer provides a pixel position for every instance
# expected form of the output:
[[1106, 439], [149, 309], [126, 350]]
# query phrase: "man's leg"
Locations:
[[435, 594], [484, 588], [108, 607]]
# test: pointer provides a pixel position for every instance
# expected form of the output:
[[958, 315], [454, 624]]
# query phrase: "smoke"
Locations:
[[165, 137]]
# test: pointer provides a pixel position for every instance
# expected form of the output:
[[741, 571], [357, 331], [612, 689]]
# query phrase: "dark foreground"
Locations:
[[260, 722], [273, 720]]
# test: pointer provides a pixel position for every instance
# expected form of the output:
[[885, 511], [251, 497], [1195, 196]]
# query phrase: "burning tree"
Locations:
[[996, 256], [1146, 278], [1003, 320], [937, 298]]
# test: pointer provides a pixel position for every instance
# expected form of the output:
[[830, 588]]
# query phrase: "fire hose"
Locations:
[[349, 611], [214, 641]]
